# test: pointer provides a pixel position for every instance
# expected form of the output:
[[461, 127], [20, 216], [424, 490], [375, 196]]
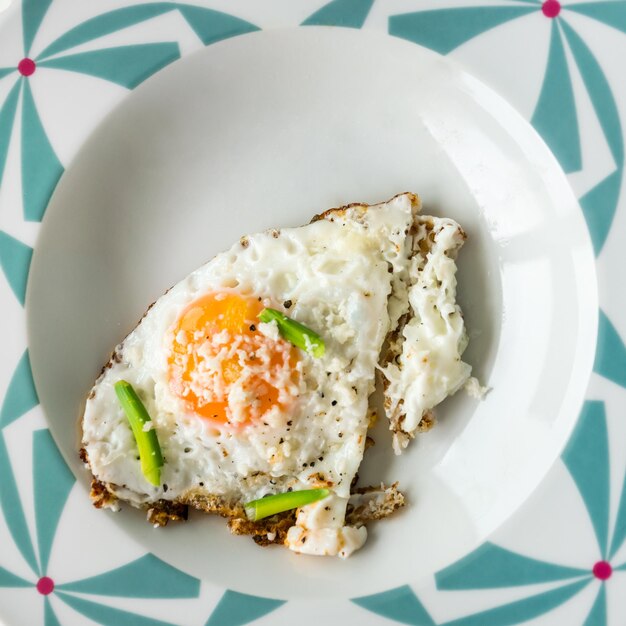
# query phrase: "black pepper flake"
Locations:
[[201, 484], [321, 458], [259, 298], [321, 394], [290, 422], [305, 465], [289, 488], [287, 304], [326, 508], [165, 487], [334, 402], [281, 440], [252, 327], [340, 434], [303, 539], [312, 463]]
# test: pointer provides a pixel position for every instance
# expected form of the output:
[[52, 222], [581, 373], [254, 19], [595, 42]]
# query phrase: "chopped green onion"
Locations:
[[147, 442], [294, 332], [270, 505]]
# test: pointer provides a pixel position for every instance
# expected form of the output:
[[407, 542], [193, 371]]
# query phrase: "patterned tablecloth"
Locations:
[[65, 63]]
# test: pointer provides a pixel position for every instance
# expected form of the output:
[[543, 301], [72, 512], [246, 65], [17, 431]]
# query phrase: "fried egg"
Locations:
[[240, 412]]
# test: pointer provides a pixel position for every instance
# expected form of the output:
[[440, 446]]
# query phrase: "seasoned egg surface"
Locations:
[[239, 411]]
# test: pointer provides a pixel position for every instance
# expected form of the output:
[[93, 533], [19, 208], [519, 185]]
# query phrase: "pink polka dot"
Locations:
[[45, 586], [602, 570], [26, 67], [551, 8]]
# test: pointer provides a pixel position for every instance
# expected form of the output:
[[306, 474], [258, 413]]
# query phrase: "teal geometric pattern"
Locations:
[[555, 116], [443, 30], [402, 605], [50, 619], [490, 567], [346, 13], [103, 614], [597, 615], [609, 12], [493, 567], [147, 577], [600, 203], [399, 604], [11, 580], [15, 259], [11, 506], [21, 396], [53, 482], [127, 66], [522, 610], [237, 609], [555, 113], [143, 578], [7, 117], [41, 168], [33, 12], [210, 26], [589, 467]]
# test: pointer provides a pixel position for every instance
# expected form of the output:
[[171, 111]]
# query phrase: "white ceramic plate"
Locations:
[[266, 130]]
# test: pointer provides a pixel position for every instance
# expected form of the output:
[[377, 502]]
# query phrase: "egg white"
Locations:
[[428, 367], [336, 274]]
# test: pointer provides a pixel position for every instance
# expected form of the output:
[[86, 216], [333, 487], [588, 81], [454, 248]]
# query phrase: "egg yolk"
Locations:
[[223, 367]]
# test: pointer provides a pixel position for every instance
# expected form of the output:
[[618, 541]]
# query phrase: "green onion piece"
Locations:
[[294, 332], [147, 442], [270, 505]]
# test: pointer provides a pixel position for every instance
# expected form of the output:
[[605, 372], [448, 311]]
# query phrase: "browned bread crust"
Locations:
[[369, 504]]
